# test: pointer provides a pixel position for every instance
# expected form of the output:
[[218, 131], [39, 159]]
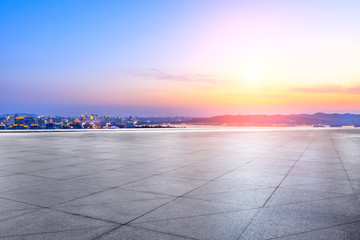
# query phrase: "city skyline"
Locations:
[[186, 58], [23, 121]]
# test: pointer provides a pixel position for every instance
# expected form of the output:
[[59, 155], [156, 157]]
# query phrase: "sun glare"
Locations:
[[251, 77]]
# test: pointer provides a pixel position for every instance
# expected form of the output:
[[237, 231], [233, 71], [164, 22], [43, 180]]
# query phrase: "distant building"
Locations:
[[77, 124], [87, 125], [34, 126], [10, 120]]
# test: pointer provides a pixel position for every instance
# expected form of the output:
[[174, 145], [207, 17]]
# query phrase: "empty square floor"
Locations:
[[286, 183]]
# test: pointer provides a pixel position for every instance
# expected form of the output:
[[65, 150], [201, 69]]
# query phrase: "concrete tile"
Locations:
[[149, 168], [46, 221], [331, 174], [65, 172], [119, 212], [7, 214], [174, 189], [290, 196], [353, 175], [114, 196], [216, 226], [250, 198], [6, 204], [343, 232], [133, 233], [4, 173], [47, 199], [111, 178], [355, 186], [28, 167], [81, 234], [184, 207], [342, 187], [267, 168], [224, 187], [267, 180], [22, 178], [290, 219], [188, 172], [18, 181], [5, 161], [59, 186], [297, 180]]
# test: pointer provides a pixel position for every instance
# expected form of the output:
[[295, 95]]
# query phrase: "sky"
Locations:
[[179, 58]]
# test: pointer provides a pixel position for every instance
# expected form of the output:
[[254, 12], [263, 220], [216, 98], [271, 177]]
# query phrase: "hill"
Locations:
[[317, 119]]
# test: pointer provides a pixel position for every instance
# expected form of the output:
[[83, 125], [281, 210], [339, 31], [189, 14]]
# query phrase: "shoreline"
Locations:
[[195, 128]]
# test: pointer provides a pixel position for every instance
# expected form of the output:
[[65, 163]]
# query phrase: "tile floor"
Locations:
[[181, 184]]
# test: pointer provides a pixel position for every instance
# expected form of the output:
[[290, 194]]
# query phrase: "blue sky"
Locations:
[[178, 57]]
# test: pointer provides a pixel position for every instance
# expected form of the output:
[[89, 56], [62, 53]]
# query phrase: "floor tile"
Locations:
[[46, 221], [132, 233], [81, 234], [119, 212], [216, 226]]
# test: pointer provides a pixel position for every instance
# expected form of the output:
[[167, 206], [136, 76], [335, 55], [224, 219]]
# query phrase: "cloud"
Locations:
[[158, 74], [329, 88], [261, 95], [354, 89]]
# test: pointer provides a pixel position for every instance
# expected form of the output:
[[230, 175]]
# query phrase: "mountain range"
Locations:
[[317, 119]]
